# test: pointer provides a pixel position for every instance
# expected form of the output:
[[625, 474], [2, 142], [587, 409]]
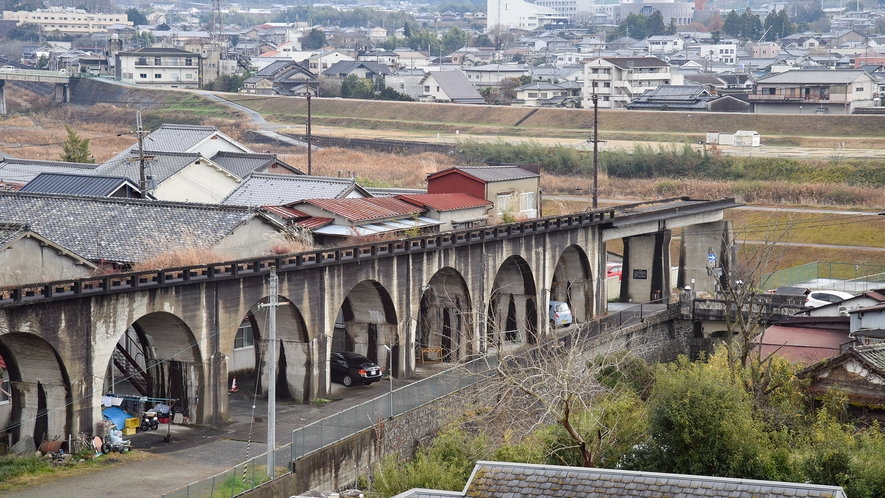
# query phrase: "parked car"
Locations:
[[7, 69], [815, 299], [613, 270], [560, 314], [350, 368]]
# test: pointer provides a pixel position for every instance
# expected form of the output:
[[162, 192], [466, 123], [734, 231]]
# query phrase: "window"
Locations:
[[188, 76], [607, 84], [157, 76], [142, 61], [142, 75], [427, 88], [244, 337], [437, 89], [533, 95], [505, 203], [188, 61], [858, 89], [527, 201]]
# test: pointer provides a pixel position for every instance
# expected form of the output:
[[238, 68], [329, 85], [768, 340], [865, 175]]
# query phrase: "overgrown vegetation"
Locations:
[[691, 417]]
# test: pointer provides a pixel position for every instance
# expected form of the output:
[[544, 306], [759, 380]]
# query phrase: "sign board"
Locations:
[[640, 274], [711, 259]]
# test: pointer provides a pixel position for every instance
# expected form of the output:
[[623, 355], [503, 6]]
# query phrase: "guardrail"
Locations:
[[334, 428], [136, 281]]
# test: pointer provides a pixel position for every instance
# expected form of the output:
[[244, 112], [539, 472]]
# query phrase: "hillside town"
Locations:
[[785, 58]]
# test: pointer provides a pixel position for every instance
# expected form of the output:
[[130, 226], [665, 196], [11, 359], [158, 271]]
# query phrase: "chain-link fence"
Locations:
[[860, 273]]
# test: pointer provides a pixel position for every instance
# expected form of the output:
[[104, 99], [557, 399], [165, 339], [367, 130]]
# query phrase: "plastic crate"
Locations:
[[132, 423], [129, 430]]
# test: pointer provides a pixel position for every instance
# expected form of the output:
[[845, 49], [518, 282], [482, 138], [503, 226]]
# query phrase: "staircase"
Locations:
[[131, 370]]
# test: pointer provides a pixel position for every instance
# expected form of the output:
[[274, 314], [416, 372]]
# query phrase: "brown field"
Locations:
[[819, 131]]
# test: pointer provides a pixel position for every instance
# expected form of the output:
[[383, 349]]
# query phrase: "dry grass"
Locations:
[[372, 168]]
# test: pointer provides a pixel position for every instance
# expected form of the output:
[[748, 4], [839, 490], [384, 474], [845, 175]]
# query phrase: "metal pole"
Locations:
[[390, 376], [595, 147], [309, 168], [271, 372], [142, 176]]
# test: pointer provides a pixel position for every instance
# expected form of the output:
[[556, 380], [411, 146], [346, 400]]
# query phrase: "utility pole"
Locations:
[[309, 147], [595, 147], [271, 369], [142, 175]]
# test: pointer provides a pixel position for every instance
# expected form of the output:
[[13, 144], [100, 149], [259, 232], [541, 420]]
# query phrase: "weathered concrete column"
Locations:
[[26, 396], [2, 96], [698, 242], [56, 415], [59, 95], [646, 267]]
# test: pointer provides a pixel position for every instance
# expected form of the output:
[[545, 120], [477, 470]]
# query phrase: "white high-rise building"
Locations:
[[517, 14]]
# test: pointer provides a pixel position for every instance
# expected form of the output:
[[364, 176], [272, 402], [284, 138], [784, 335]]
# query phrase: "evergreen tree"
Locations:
[[76, 149], [732, 24]]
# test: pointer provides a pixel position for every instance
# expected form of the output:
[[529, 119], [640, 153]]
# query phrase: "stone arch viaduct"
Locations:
[[460, 292]]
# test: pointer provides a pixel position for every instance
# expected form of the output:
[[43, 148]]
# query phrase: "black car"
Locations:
[[349, 368]]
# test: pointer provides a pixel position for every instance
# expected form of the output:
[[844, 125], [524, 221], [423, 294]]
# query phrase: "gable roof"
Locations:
[[261, 189], [528, 480], [488, 174], [121, 230], [456, 86], [13, 232], [445, 202], [632, 62], [89, 185], [242, 164], [25, 170], [159, 165], [179, 138], [344, 68]]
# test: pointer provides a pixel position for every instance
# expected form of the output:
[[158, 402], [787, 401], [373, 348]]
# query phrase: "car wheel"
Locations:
[[347, 381], [105, 448], [552, 325]]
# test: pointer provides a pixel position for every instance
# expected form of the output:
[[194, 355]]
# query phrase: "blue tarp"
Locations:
[[116, 415]]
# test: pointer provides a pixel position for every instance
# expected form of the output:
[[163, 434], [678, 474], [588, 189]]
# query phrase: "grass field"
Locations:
[[799, 130]]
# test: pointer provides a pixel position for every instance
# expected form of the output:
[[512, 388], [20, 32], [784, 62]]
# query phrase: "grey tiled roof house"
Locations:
[[520, 480]]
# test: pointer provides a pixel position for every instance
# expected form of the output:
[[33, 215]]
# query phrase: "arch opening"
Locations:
[[512, 311], [573, 283], [367, 325], [445, 318]]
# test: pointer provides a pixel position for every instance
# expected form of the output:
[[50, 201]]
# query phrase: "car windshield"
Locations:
[[561, 307]]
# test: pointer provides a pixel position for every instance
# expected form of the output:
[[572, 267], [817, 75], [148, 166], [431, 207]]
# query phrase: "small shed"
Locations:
[[745, 138]]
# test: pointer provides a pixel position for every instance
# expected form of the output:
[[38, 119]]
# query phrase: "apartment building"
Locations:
[[620, 79], [67, 20]]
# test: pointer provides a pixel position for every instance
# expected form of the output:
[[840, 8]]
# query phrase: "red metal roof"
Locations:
[[375, 208], [445, 202], [312, 223], [803, 345], [285, 212]]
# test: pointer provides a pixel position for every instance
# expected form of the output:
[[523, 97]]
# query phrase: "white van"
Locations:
[[559, 314]]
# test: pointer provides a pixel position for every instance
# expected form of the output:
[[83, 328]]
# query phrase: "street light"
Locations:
[[390, 376]]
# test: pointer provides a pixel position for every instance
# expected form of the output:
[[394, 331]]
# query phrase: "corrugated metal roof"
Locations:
[[815, 76], [445, 202], [278, 190], [376, 228], [177, 138], [316, 222], [123, 230], [285, 212], [874, 354], [242, 164], [25, 170], [490, 173], [805, 345], [356, 210], [160, 165], [58, 183]]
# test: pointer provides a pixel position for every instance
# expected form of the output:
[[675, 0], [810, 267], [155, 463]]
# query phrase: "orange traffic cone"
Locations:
[[233, 386]]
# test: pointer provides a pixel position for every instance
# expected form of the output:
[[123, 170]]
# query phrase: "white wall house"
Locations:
[[725, 53], [664, 44], [159, 68]]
